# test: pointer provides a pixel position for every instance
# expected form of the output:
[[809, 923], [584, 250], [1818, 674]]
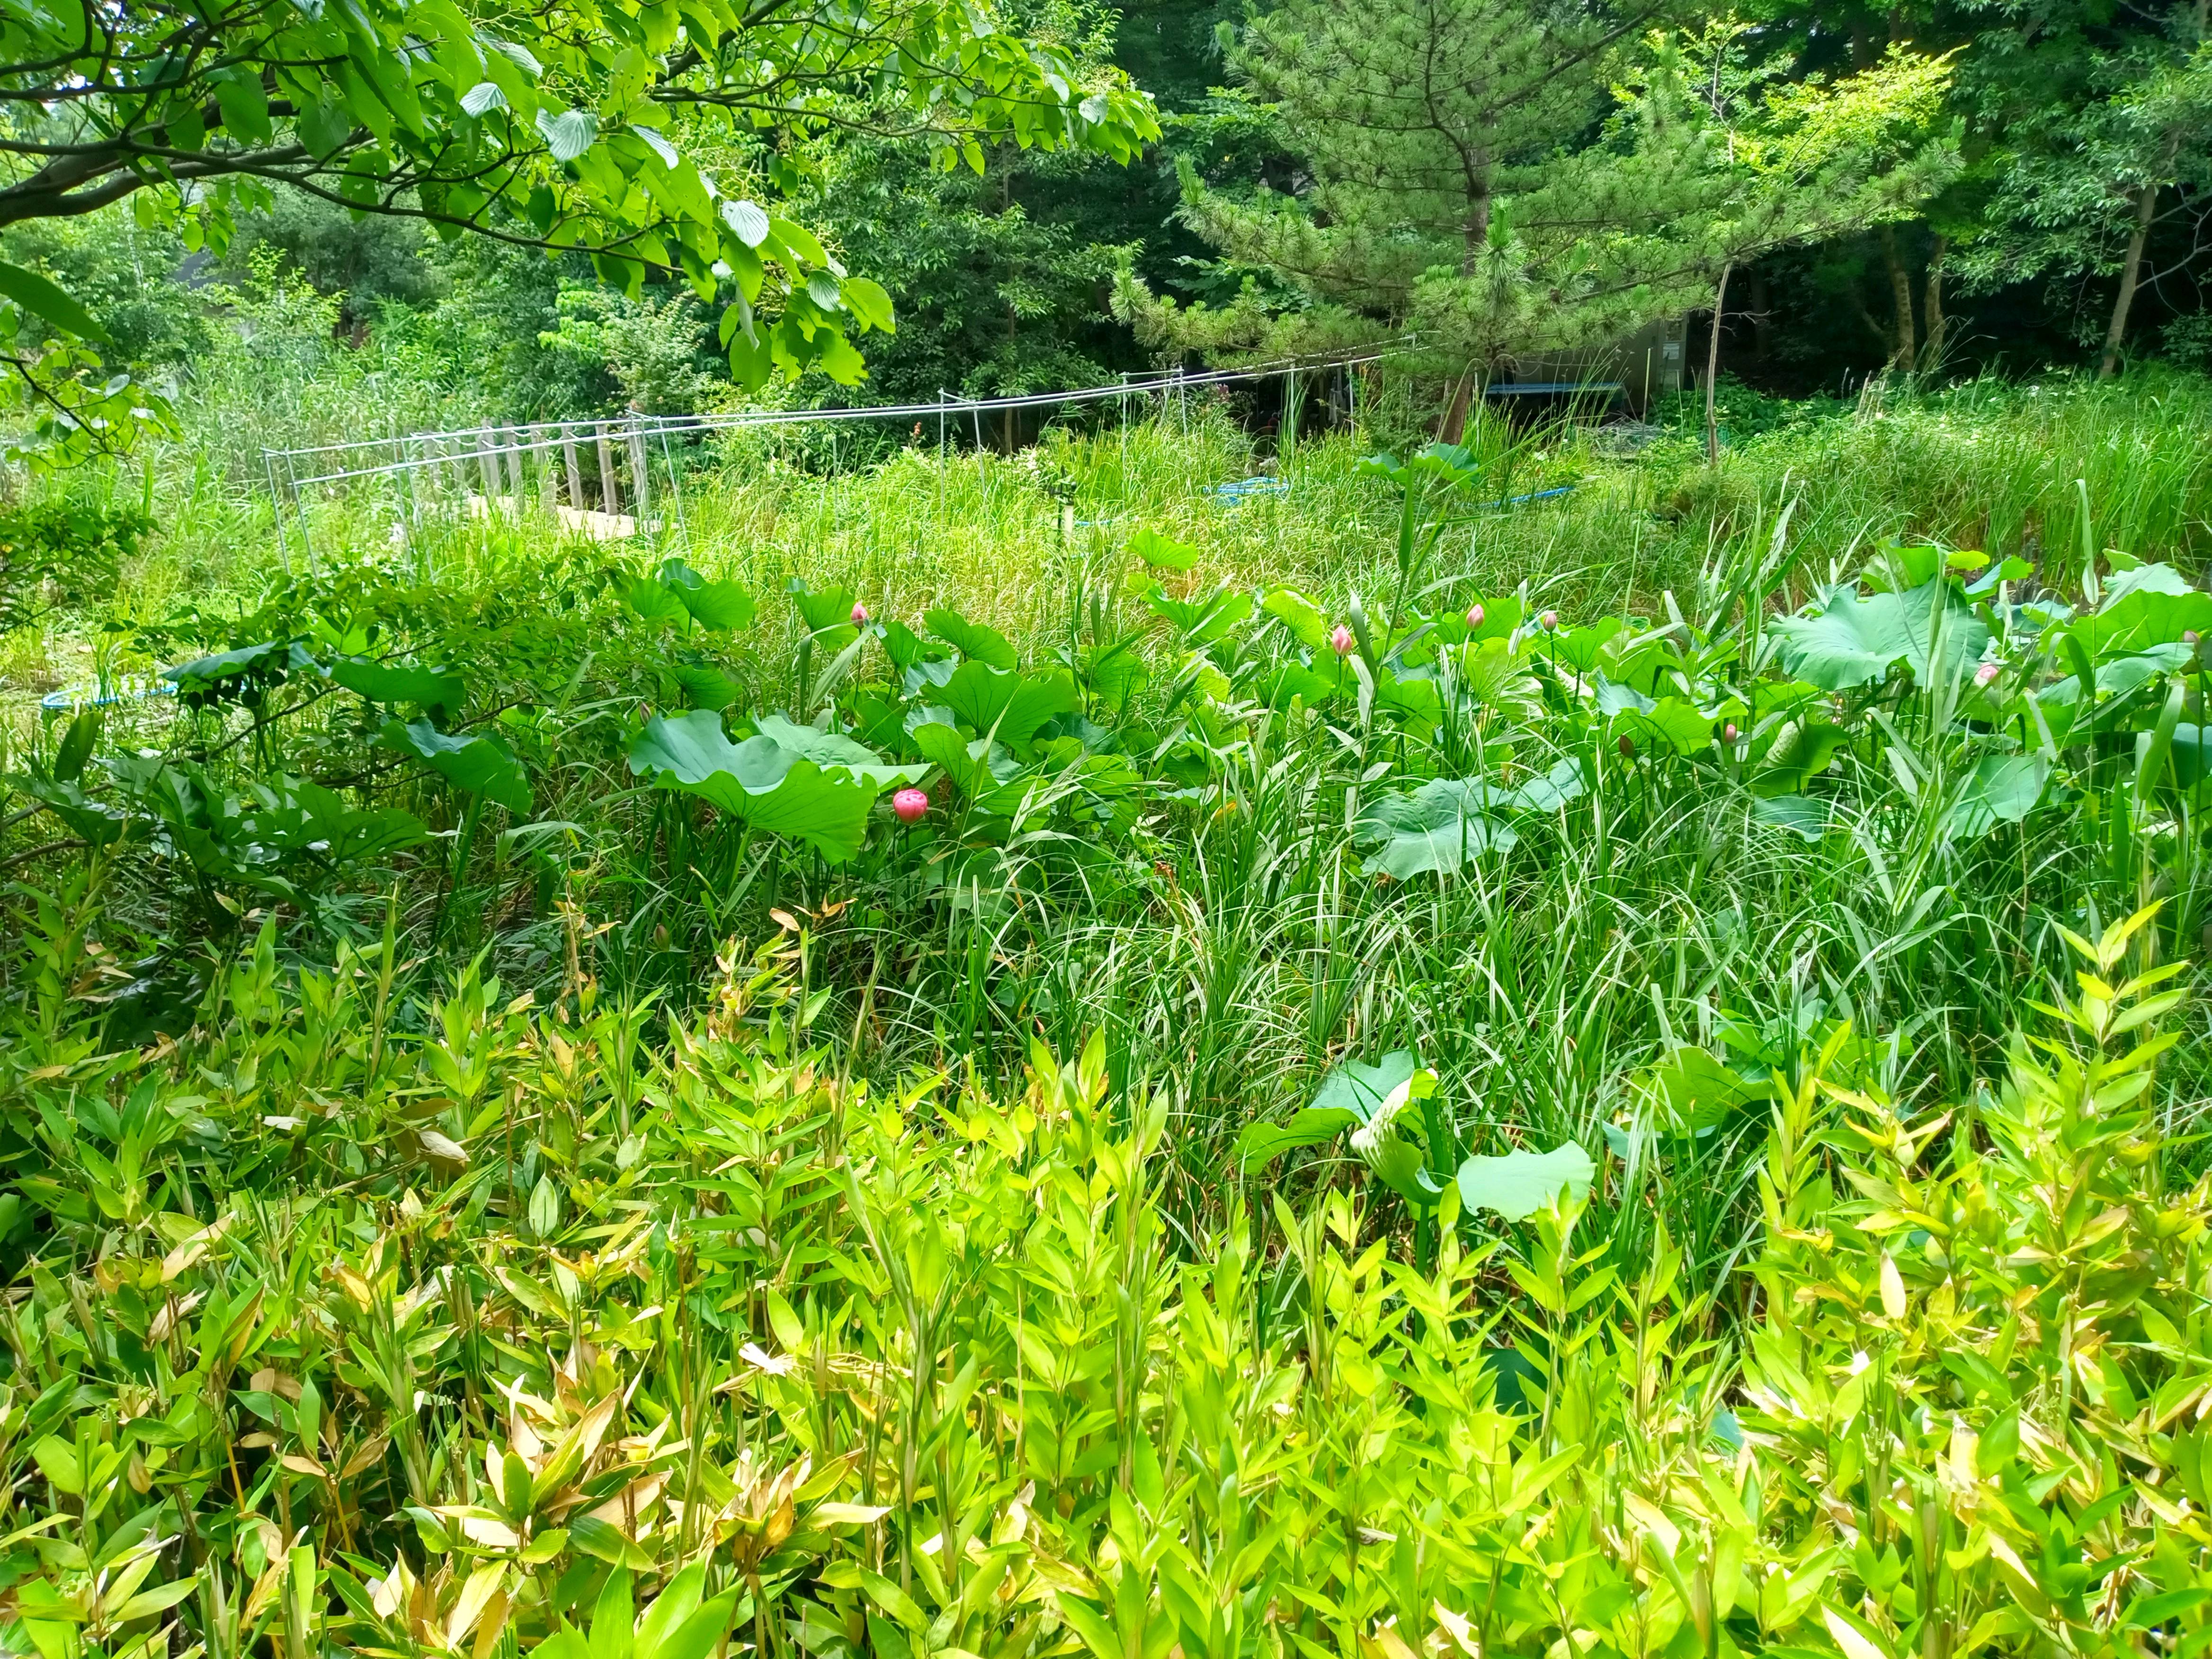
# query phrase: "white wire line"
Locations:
[[546, 435]]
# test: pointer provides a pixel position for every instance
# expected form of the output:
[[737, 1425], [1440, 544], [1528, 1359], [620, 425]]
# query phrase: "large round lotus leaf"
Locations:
[[758, 782], [1519, 1184]]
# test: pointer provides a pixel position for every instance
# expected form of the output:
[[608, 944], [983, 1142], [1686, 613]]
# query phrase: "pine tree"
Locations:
[[1499, 179]]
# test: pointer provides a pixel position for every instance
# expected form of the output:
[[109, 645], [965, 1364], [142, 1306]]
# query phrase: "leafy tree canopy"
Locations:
[[660, 136]]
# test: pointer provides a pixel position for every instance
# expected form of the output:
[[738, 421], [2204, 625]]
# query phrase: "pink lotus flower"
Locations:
[[1474, 616], [859, 614], [1986, 675], [909, 805], [1549, 621], [1340, 641]]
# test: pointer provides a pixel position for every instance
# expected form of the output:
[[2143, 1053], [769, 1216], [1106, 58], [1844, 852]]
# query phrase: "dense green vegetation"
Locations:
[[1420, 1075], [1329, 1016]]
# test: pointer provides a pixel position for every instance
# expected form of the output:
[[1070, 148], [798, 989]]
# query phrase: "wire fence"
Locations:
[[623, 477]]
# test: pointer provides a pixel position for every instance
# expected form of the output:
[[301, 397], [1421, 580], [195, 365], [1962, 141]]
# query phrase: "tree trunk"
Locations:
[[1713, 364], [1454, 426], [1932, 300], [2130, 274], [1901, 353]]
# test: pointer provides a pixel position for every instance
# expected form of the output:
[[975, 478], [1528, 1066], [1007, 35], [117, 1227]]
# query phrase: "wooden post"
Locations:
[[610, 490], [549, 487], [575, 471], [507, 437]]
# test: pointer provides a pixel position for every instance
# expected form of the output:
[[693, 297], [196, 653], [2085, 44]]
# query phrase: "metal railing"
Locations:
[[622, 476]]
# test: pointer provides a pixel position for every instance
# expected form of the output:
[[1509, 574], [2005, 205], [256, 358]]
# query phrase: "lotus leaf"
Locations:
[[759, 781], [1433, 829], [1520, 1184], [479, 764], [1850, 641]]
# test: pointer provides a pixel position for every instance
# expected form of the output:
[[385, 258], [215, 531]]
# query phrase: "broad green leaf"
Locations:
[[724, 607], [827, 612], [1852, 642], [1802, 817], [1578, 650], [1698, 1091], [705, 686], [204, 673], [1672, 725], [1288, 680], [972, 639], [966, 763], [679, 1600], [1201, 621], [1308, 622], [699, 1635], [49, 304], [1400, 1165], [833, 748], [77, 745], [390, 682], [1433, 829], [479, 764], [1521, 1183], [1313, 1127], [1009, 706], [651, 598], [1360, 1089], [1161, 552], [2152, 604], [58, 1461], [568, 133], [1800, 751], [757, 782], [2003, 789]]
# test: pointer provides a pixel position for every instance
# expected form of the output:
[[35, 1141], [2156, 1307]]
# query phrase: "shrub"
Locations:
[[478, 1337]]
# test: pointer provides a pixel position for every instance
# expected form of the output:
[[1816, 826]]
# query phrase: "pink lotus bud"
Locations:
[[859, 614], [1986, 675], [1729, 734], [1627, 746], [1474, 616], [1549, 621], [1340, 641], [2189, 638], [909, 805]]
